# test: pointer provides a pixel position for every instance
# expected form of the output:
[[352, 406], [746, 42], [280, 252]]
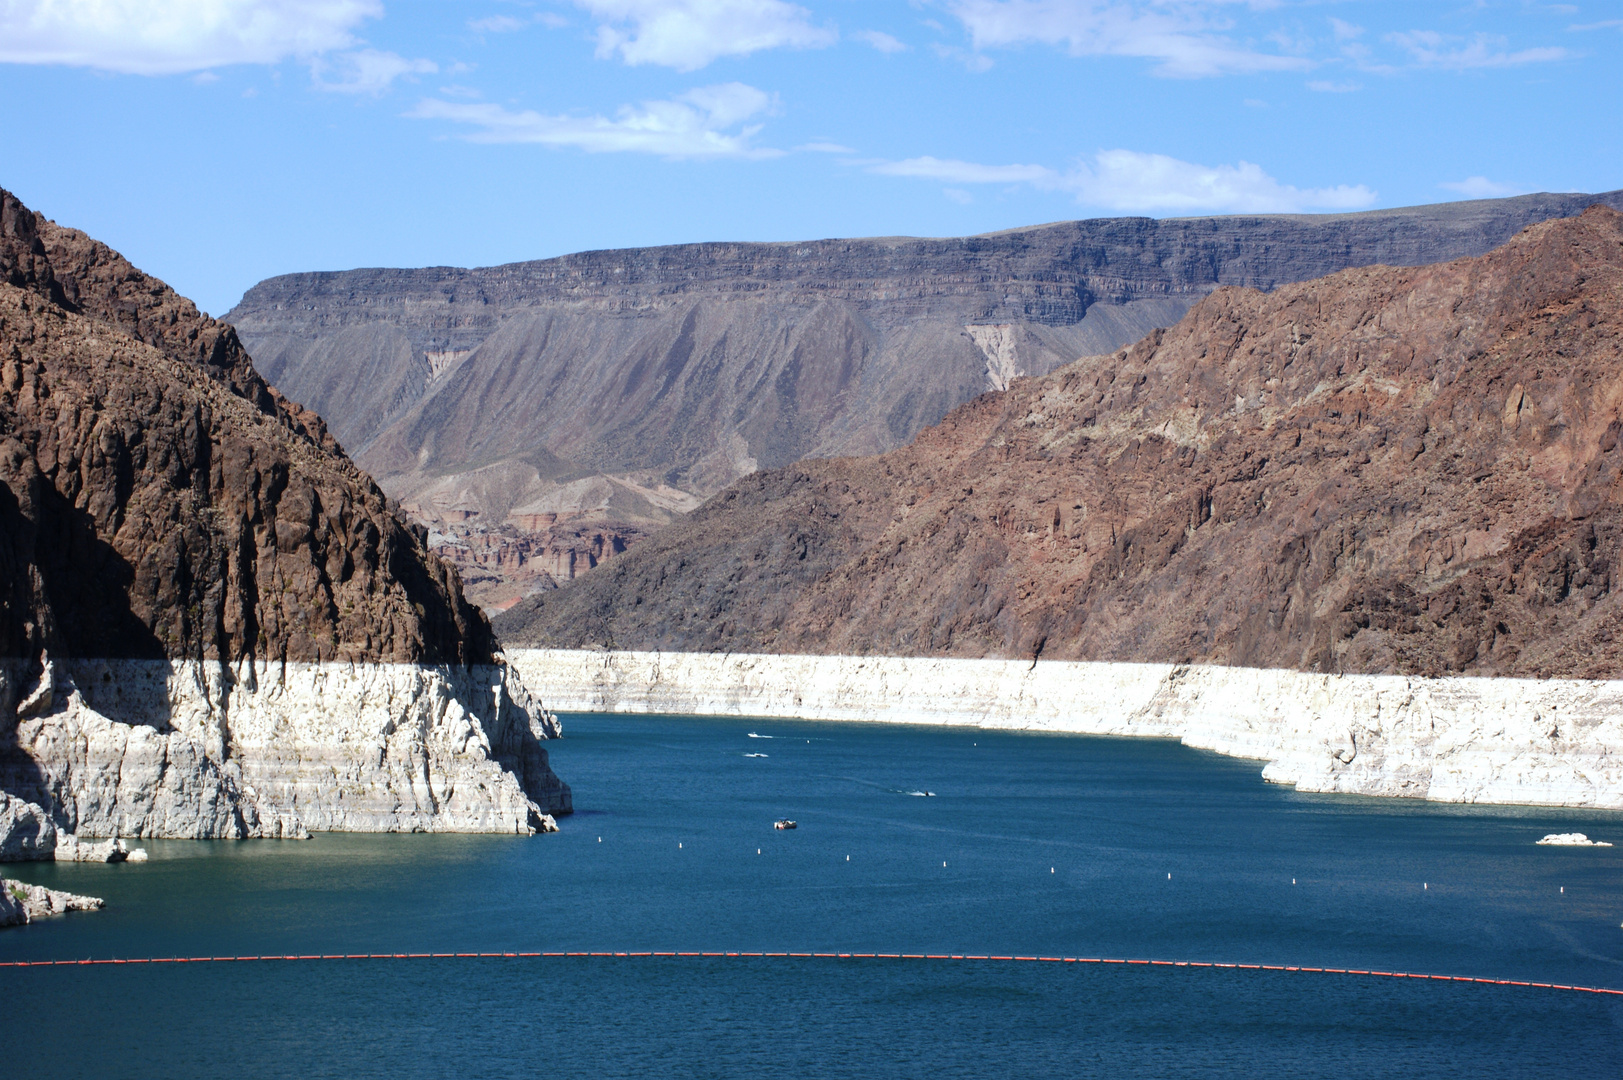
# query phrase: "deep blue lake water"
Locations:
[[1029, 844]]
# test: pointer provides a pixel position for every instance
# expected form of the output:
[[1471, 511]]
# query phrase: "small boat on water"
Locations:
[[784, 824]]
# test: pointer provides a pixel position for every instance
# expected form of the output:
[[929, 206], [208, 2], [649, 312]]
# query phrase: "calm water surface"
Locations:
[[1028, 844]]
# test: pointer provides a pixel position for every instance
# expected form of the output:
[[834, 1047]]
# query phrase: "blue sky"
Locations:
[[217, 142]]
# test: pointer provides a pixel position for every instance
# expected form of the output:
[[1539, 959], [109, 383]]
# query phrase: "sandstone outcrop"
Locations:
[[1410, 471], [620, 388], [21, 903], [501, 565], [211, 622]]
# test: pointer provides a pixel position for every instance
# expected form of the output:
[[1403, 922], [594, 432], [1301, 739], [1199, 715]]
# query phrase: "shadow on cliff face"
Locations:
[[69, 589]]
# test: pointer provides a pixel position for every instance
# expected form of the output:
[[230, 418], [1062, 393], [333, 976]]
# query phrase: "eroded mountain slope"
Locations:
[[1383, 470]]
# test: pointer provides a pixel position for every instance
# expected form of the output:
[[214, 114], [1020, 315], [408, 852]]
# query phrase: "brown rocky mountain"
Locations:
[[619, 388], [159, 500], [1409, 470], [211, 622]]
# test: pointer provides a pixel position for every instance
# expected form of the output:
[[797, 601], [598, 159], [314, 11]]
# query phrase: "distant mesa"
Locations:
[[541, 416]]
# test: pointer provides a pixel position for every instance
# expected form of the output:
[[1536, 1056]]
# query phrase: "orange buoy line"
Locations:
[[821, 956]]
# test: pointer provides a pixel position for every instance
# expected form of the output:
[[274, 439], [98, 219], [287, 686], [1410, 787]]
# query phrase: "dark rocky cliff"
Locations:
[[159, 499], [623, 387], [212, 624], [1411, 470]]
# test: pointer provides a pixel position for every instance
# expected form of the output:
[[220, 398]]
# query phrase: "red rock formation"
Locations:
[[1407, 470]]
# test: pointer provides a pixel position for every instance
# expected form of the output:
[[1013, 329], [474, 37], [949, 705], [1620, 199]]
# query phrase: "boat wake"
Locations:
[[755, 755]]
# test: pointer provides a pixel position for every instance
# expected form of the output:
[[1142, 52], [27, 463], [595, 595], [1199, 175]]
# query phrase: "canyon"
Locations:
[[212, 623], [1364, 529], [616, 390]]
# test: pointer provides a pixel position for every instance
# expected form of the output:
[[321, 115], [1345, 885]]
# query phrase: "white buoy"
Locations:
[[1563, 890], [600, 839], [848, 858], [1425, 885], [757, 851], [679, 843], [1050, 869], [1169, 877], [1293, 881], [943, 862]]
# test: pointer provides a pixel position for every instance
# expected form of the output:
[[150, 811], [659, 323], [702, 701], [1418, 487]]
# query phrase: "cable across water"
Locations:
[[966, 957]]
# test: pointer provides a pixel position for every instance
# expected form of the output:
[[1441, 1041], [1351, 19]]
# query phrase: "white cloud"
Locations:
[[1127, 180], [366, 71], [1131, 182], [1184, 41], [823, 146], [1480, 187], [1325, 86], [692, 125], [162, 37], [881, 41], [1427, 48], [688, 34]]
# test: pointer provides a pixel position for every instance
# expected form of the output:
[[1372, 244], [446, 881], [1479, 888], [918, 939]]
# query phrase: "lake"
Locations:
[[910, 839]]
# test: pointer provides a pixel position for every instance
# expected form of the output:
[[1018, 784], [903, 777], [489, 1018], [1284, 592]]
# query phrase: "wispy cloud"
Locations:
[[953, 171], [688, 34], [1325, 86], [823, 146], [497, 24], [1429, 49], [1183, 38], [365, 71], [1132, 182], [709, 122], [508, 24], [163, 37], [1480, 187], [881, 41]]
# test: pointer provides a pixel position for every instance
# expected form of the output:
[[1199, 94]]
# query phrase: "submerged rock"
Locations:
[[71, 849], [1572, 839]]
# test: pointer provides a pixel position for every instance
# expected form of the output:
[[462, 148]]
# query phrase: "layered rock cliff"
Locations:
[[623, 387], [211, 622], [1387, 470]]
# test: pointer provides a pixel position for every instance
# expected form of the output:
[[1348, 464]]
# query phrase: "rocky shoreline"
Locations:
[[22, 903], [196, 749], [1552, 742]]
